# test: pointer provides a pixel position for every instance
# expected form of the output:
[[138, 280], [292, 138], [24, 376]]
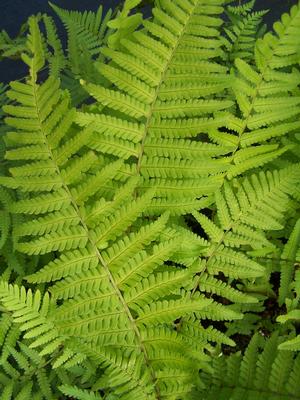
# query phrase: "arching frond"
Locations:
[[164, 77], [100, 250]]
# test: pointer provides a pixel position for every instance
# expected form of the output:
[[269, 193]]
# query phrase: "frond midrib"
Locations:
[[152, 106]]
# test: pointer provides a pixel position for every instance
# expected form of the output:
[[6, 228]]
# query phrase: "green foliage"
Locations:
[[86, 34], [262, 373], [154, 114], [149, 201], [124, 24], [242, 31], [10, 48]]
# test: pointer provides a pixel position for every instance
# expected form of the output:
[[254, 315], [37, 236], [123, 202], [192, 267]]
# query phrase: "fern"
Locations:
[[244, 28], [161, 110], [147, 231], [270, 374], [289, 256], [20, 364], [78, 393], [86, 33], [56, 58], [260, 90], [289, 291], [243, 218], [123, 25], [99, 263], [10, 48], [136, 86]]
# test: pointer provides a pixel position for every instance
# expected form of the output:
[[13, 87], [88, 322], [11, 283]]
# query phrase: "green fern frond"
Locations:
[[291, 344], [243, 30], [55, 56], [241, 9], [25, 321], [99, 250], [36, 59], [86, 34], [244, 216], [156, 103], [270, 374], [148, 232], [289, 259], [261, 90], [31, 311], [79, 394], [10, 48], [289, 290], [123, 24]]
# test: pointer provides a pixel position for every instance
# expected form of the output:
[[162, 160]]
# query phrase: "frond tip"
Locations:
[[32, 313]]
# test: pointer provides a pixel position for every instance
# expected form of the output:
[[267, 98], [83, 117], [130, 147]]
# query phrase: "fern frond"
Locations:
[[31, 312], [291, 344], [269, 375], [123, 24], [55, 56], [108, 289], [151, 72], [266, 96], [22, 366], [79, 394], [11, 47], [289, 256], [100, 249], [86, 34], [241, 9], [243, 218], [36, 59], [242, 31]]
